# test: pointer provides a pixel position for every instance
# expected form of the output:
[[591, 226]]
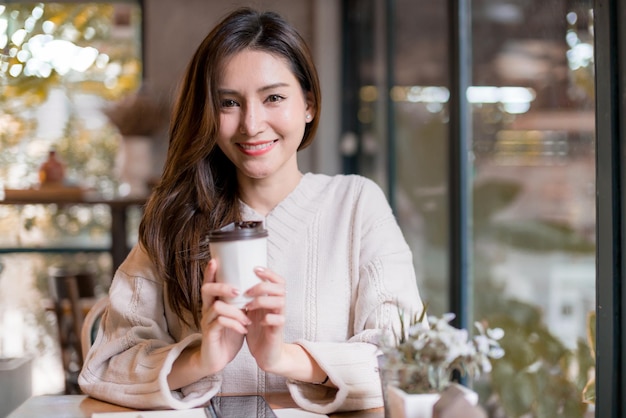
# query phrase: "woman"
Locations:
[[338, 264]]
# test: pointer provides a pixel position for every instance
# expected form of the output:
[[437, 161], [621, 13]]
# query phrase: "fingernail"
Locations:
[[259, 269]]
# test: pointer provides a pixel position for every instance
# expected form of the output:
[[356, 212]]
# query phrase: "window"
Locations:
[[531, 172], [61, 64]]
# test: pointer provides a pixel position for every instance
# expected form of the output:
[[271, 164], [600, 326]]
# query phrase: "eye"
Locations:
[[275, 98], [229, 103]]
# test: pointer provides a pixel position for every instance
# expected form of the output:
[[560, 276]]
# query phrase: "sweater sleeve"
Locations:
[[386, 280], [134, 350]]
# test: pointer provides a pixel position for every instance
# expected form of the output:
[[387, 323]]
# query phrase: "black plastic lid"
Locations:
[[239, 230]]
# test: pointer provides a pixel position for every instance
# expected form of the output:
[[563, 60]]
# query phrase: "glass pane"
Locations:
[[420, 106], [532, 179], [533, 188], [418, 100], [61, 65]]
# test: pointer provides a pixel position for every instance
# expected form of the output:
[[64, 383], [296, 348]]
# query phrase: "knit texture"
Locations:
[[346, 264]]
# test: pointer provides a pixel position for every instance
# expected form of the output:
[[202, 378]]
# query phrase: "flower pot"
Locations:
[[15, 383], [408, 405], [414, 378], [134, 165]]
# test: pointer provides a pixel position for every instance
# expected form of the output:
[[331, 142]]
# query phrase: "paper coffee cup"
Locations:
[[239, 247]]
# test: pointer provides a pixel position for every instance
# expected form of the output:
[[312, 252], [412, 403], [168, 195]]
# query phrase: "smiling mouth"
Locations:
[[256, 147]]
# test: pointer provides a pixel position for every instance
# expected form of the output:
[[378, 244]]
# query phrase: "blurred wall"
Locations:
[[173, 30]]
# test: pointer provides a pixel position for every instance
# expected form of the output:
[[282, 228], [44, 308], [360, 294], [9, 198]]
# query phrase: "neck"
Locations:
[[263, 195]]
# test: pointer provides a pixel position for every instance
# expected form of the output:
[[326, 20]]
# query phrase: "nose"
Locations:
[[252, 119]]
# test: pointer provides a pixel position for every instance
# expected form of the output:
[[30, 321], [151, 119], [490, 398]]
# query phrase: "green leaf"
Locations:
[[518, 394], [589, 392], [591, 332]]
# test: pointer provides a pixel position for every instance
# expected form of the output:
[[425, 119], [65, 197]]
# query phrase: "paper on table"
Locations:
[[297, 413], [200, 413], [184, 413]]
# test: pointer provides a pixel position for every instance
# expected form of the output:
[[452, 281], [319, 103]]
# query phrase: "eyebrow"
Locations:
[[261, 90]]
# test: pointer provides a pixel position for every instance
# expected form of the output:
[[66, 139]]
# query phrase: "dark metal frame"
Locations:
[[459, 207], [610, 67], [389, 105], [351, 25]]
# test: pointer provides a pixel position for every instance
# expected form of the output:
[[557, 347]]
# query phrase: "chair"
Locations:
[[91, 324], [70, 290]]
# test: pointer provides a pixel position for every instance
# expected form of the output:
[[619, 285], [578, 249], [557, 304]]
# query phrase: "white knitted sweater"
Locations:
[[346, 263]]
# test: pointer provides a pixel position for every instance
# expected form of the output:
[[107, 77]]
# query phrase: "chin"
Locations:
[[256, 174]]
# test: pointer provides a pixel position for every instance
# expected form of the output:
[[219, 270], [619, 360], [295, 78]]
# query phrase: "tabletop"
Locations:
[[66, 195], [119, 206], [82, 406]]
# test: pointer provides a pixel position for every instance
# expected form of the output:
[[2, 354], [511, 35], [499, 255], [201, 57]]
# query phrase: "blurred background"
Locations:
[[94, 81]]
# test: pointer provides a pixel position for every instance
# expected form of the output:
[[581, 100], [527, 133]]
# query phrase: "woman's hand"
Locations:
[[223, 325], [265, 334], [267, 314], [223, 328]]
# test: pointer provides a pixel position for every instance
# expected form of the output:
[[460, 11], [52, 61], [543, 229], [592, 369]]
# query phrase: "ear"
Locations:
[[311, 107]]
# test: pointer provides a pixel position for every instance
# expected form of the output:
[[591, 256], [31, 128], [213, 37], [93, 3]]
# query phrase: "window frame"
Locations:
[[610, 87], [610, 79]]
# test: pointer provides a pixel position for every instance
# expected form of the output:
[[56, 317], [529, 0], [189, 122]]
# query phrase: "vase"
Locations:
[[387, 378], [408, 405], [134, 165]]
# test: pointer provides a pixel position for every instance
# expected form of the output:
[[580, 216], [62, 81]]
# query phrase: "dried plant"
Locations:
[[424, 354], [138, 114]]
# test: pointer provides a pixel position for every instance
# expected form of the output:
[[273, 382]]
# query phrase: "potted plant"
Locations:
[[417, 364], [139, 118]]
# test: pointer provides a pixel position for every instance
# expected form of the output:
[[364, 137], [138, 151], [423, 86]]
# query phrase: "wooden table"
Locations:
[[118, 207], [82, 406]]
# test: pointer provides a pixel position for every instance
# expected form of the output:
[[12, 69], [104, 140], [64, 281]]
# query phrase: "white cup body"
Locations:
[[236, 261]]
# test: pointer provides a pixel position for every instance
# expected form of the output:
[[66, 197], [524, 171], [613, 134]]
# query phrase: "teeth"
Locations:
[[256, 147]]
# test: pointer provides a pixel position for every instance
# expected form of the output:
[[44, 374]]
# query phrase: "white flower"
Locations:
[[496, 352], [485, 365], [483, 343], [495, 333], [433, 350], [447, 317]]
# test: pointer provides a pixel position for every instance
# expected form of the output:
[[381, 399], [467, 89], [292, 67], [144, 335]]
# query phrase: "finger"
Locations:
[[270, 303], [222, 310], [268, 275], [212, 290], [273, 320], [266, 289], [210, 271], [221, 290], [209, 277], [223, 322]]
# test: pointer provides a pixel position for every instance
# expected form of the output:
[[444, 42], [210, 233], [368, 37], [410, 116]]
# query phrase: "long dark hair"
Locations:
[[198, 189]]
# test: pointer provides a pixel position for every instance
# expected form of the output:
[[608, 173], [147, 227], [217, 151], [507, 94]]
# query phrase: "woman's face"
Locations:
[[263, 113]]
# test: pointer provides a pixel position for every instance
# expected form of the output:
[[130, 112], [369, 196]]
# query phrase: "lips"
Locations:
[[253, 147], [257, 148]]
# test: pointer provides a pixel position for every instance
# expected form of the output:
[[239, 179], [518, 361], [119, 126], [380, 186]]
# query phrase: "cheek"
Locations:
[[224, 134], [228, 126], [293, 121]]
